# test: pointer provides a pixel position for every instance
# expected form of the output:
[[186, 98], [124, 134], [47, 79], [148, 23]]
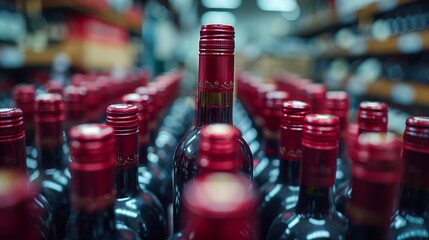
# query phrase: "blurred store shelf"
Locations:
[[85, 55], [328, 18], [400, 92], [130, 19], [407, 43]]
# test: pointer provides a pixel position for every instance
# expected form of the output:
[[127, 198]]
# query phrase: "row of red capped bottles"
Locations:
[[73, 176]]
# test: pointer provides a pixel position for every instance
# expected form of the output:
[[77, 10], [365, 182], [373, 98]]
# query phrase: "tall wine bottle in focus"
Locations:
[[16, 211], [151, 175], [315, 216], [147, 218], [13, 157], [92, 153], [372, 117], [49, 119], [282, 195], [215, 98], [376, 177], [219, 206], [337, 104], [267, 169], [411, 221]]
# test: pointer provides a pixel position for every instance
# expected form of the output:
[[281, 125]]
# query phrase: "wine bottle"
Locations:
[[315, 216], [49, 119], [337, 104], [282, 195], [92, 154], [411, 219], [139, 209], [152, 175], [372, 117], [24, 97], [376, 176], [316, 96], [219, 206], [13, 157], [18, 221], [266, 171], [215, 96], [74, 106]]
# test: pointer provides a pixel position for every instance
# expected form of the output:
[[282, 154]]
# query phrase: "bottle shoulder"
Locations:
[[290, 225]]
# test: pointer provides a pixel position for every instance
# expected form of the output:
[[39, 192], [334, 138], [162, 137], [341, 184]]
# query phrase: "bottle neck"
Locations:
[[97, 224], [413, 202], [126, 182], [289, 172], [315, 202], [214, 107], [50, 158], [143, 151]]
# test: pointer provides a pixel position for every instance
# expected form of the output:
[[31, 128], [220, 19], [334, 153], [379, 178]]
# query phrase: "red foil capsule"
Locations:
[[337, 104], [24, 96], [220, 206], [292, 123], [16, 212], [12, 139], [123, 118], [74, 105], [216, 61], [261, 98], [415, 152], [55, 87], [219, 148], [376, 176], [372, 117], [320, 140], [315, 93], [351, 139], [142, 103], [273, 109], [152, 106], [92, 154], [49, 119]]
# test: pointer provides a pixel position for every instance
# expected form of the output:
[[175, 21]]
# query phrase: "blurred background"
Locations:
[[374, 49]]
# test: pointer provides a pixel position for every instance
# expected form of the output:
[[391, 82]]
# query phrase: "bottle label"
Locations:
[[290, 144], [318, 167], [216, 73]]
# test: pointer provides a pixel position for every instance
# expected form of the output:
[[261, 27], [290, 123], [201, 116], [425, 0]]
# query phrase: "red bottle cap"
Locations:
[[54, 87], [372, 117], [15, 209], [261, 98], [12, 139], [24, 97], [292, 123], [216, 61], [217, 38], [219, 148], [74, 105], [337, 103], [49, 119], [150, 92], [143, 105], [92, 154], [416, 152], [376, 175], [123, 118], [320, 145], [273, 109], [316, 93], [224, 200]]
